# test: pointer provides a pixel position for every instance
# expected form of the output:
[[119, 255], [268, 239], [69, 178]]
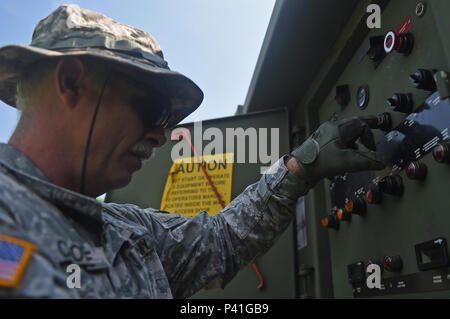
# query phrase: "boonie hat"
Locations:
[[72, 31]]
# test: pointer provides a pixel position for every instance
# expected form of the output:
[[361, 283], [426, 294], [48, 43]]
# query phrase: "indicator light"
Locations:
[[330, 221], [374, 196], [349, 206], [357, 206], [441, 153], [344, 215], [402, 43], [416, 170]]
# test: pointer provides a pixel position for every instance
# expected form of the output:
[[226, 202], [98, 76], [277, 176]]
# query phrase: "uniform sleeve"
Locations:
[[194, 251], [39, 278]]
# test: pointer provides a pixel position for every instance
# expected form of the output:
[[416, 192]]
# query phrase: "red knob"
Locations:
[[330, 221], [441, 153], [416, 170], [373, 196], [344, 215], [356, 206]]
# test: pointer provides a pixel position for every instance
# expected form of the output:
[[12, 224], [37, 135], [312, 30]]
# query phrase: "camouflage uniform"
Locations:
[[128, 252]]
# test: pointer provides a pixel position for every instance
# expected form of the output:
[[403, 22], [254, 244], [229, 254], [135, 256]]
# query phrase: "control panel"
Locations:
[[397, 218]]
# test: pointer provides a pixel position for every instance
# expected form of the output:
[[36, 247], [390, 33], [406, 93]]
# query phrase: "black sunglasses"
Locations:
[[153, 110]]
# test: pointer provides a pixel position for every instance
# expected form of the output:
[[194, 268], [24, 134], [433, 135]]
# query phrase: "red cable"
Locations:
[[222, 203], [260, 277]]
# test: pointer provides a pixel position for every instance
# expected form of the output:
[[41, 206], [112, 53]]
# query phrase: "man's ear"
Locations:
[[69, 76]]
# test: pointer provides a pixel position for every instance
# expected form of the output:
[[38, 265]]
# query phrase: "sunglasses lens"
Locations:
[[152, 114]]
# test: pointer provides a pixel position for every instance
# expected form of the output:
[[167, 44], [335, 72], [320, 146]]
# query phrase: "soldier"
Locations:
[[95, 97]]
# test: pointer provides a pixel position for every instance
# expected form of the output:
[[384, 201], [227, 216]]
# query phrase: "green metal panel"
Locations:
[[277, 266], [395, 226]]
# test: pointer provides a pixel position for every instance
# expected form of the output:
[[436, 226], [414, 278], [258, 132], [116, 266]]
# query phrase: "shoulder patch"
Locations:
[[14, 256]]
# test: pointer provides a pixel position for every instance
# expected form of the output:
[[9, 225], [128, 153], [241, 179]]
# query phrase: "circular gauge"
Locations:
[[390, 41], [362, 96]]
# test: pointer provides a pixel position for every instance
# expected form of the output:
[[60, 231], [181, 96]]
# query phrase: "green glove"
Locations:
[[331, 150]]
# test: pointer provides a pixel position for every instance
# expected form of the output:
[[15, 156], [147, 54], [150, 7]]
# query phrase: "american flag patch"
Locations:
[[14, 257]]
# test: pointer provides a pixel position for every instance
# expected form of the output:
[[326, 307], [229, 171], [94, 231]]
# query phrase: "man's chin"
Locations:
[[122, 182]]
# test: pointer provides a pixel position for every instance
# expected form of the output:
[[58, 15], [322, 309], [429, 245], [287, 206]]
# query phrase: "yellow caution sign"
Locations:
[[188, 190]]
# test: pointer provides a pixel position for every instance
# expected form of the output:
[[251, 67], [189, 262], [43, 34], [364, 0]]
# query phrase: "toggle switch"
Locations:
[[402, 43], [330, 221], [417, 170], [376, 51], [401, 102], [374, 195], [423, 80], [441, 153], [357, 207], [344, 215], [392, 185], [393, 263]]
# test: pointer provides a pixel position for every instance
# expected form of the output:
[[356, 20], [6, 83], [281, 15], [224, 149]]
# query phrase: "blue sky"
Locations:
[[214, 42]]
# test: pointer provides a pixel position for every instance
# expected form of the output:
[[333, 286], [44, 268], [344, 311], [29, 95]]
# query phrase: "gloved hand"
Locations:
[[331, 150]]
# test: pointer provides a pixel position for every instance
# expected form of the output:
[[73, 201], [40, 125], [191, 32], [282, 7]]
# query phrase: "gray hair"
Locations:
[[34, 78]]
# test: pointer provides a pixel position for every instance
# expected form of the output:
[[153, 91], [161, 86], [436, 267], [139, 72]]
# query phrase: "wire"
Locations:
[[91, 130], [222, 203]]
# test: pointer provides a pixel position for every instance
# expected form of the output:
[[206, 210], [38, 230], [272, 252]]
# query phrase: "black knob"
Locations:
[[393, 263], [392, 185], [441, 153], [401, 102], [417, 170], [423, 80], [374, 195], [384, 121], [356, 273], [330, 221], [344, 215], [406, 43], [357, 207], [376, 51]]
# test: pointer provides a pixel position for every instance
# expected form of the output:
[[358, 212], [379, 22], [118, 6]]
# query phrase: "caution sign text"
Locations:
[[188, 191]]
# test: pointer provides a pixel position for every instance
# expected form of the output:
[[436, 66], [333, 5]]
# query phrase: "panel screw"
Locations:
[[420, 9]]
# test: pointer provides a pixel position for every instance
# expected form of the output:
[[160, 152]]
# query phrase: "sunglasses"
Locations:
[[153, 110]]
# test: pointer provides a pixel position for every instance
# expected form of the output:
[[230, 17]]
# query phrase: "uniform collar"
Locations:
[[16, 163], [19, 161]]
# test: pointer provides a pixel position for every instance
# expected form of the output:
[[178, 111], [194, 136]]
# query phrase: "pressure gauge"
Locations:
[[362, 96]]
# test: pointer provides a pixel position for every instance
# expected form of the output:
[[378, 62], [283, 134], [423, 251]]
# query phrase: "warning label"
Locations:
[[188, 190]]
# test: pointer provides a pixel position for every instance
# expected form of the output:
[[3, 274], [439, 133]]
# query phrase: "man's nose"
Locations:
[[157, 136]]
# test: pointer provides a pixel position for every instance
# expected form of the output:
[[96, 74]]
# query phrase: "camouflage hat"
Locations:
[[72, 31]]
